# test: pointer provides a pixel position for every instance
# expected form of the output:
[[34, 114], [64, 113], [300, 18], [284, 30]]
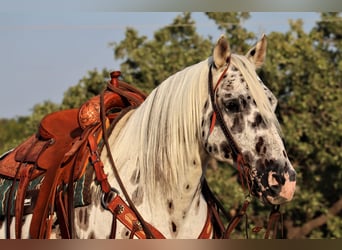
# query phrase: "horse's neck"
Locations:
[[175, 215]]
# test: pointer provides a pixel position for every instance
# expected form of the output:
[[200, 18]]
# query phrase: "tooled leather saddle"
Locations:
[[60, 152]]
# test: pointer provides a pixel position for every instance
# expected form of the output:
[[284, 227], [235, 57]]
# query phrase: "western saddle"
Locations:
[[65, 143]]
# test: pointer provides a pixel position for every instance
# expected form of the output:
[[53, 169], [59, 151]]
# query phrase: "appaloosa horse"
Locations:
[[218, 108]]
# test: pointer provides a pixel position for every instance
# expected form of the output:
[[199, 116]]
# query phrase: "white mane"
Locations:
[[163, 131]]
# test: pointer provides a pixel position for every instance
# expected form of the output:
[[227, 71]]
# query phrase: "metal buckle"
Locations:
[[104, 203]]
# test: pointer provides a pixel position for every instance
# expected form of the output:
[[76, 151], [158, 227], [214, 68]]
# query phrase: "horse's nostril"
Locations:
[[279, 178], [275, 188]]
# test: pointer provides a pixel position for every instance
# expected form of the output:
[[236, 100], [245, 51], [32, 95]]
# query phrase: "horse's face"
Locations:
[[256, 135]]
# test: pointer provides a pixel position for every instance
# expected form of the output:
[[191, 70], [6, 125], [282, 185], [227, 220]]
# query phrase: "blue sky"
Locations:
[[42, 54]]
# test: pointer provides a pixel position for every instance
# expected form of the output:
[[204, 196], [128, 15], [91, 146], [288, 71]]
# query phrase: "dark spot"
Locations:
[[170, 206], [252, 53], [210, 149], [238, 125], [86, 215], [260, 165], [224, 147], [259, 144], [194, 162], [248, 157], [284, 153], [225, 76], [174, 227], [215, 149], [137, 196], [91, 235], [206, 104], [292, 175], [187, 187], [258, 121], [135, 178], [245, 104], [126, 234], [279, 178], [234, 68], [80, 214]]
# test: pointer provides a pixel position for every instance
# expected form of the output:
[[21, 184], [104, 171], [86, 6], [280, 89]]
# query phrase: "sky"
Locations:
[[42, 54]]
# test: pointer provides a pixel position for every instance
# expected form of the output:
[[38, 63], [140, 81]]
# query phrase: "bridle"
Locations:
[[217, 117], [240, 164]]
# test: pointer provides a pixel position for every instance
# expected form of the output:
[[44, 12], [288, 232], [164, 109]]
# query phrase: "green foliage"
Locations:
[[11, 133], [148, 62], [87, 87], [304, 70], [230, 23]]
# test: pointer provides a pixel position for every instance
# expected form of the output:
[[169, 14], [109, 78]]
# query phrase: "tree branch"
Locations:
[[302, 232]]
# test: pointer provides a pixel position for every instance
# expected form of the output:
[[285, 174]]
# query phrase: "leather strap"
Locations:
[[62, 215], [25, 175], [143, 224], [207, 228], [127, 217]]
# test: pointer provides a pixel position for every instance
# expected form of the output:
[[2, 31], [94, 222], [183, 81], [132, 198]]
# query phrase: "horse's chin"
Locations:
[[278, 200]]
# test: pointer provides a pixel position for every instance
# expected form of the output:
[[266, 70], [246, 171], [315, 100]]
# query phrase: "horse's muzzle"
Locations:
[[282, 187]]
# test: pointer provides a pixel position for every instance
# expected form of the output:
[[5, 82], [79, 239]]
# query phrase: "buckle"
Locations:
[[104, 201]]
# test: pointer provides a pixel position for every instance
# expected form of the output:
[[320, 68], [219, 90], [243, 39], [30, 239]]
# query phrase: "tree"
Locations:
[[148, 62], [87, 87], [305, 72], [231, 24]]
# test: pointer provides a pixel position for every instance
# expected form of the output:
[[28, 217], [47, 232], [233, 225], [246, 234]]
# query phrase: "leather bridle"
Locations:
[[218, 116], [243, 169]]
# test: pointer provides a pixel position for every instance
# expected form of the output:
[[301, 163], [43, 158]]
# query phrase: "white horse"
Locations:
[[162, 148]]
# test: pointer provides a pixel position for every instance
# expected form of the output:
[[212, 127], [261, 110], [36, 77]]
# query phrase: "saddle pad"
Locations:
[[81, 192]]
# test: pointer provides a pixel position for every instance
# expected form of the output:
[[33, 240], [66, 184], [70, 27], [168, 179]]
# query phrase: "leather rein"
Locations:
[[128, 214]]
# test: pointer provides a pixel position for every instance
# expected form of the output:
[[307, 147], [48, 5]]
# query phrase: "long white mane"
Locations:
[[163, 131], [161, 138]]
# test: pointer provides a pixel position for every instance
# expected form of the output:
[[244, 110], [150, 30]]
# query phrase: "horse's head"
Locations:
[[239, 121]]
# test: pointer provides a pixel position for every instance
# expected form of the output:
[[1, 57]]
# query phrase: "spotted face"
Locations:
[[251, 122]]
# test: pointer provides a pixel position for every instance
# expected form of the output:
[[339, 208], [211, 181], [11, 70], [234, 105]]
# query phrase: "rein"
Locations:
[[244, 173]]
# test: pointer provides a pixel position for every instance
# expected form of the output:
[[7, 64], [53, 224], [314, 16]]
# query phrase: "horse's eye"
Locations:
[[232, 105]]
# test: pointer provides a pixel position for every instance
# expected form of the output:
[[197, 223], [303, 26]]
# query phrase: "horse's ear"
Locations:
[[221, 52], [257, 54]]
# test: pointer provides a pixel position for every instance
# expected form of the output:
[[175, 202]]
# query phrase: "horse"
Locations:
[[216, 109]]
